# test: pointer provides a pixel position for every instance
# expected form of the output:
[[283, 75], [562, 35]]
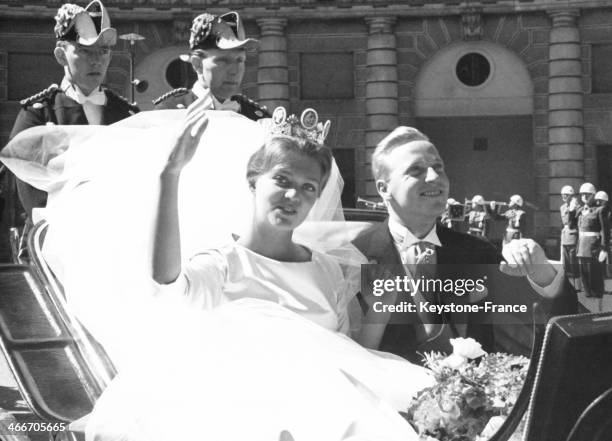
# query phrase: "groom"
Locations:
[[412, 182]]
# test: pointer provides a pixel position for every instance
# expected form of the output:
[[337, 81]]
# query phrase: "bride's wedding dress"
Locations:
[[249, 370], [246, 370]]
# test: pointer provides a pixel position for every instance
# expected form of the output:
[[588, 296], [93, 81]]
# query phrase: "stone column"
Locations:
[[381, 85], [565, 99], [272, 71]]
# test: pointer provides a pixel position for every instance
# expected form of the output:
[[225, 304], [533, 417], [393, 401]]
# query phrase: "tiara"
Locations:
[[306, 127]]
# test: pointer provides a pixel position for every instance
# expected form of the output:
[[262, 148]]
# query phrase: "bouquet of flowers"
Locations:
[[474, 393]]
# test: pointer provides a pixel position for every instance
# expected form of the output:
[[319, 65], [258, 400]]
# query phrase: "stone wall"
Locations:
[[346, 115], [595, 28], [419, 39], [390, 45]]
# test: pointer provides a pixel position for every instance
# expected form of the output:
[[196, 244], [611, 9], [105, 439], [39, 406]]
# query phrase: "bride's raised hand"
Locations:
[[189, 135]]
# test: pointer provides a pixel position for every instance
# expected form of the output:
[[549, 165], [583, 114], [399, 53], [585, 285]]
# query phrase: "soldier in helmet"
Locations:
[[447, 218], [218, 53], [516, 217], [569, 234], [593, 240], [83, 48], [601, 200], [479, 217]]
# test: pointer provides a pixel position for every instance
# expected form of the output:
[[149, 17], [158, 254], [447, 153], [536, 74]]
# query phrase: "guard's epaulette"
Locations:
[[132, 106], [243, 99], [46, 94], [175, 92]]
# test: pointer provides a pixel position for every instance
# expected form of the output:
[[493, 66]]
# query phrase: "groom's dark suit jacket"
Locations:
[[463, 256]]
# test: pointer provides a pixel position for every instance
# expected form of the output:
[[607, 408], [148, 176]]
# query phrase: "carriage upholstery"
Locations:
[[59, 369]]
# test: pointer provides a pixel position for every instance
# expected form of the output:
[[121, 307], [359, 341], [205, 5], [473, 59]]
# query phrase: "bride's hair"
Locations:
[[274, 150]]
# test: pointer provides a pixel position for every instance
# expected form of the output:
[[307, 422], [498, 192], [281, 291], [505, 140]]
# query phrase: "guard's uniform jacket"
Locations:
[[53, 106], [478, 223], [569, 220], [446, 220], [182, 97], [593, 237], [569, 237], [516, 224], [593, 231]]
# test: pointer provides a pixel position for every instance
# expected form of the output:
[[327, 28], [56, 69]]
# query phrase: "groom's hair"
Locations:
[[400, 136], [275, 150]]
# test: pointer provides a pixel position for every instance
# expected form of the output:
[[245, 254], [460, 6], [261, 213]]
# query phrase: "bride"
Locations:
[[286, 176], [245, 340]]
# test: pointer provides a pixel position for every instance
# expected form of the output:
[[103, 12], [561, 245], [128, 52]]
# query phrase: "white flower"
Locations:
[[454, 361], [467, 347], [463, 349]]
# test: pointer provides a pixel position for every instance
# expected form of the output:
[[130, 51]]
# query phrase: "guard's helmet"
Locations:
[[567, 189], [478, 199], [601, 196], [516, 199], [451, 201], [587, 187]]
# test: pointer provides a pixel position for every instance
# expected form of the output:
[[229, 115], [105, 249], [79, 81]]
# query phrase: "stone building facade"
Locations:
[[517, 95]]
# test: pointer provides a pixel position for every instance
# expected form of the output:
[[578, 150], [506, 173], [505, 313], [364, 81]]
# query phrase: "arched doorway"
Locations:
[[475, 101]]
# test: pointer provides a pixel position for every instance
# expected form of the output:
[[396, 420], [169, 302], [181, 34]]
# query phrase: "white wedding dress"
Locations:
[[246, 370], [249, 370]]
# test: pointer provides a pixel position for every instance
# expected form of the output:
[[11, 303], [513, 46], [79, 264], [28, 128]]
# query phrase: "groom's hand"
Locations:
[[524, 257]]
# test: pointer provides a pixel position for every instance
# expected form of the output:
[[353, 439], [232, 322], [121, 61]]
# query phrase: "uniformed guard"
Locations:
[[479, 217], [445, 218], [83, 48], [601, 200], [516, 217], [218, 53], [449, 218], [593, 240], [569, 233]]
